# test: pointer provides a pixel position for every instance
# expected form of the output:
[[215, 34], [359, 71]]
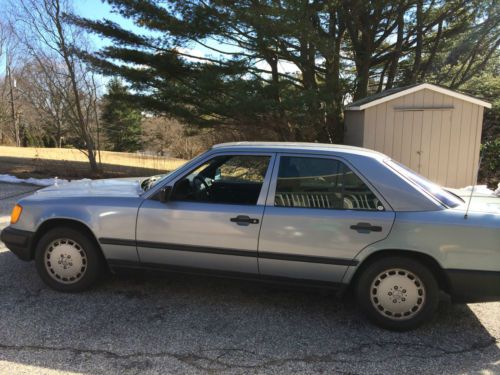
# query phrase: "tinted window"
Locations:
[[232, 179], [321, 183]]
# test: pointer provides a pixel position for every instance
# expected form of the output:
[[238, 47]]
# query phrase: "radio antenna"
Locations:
[[473, 186]]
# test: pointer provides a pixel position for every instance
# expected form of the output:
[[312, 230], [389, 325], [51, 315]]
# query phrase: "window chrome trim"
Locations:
[[274, 181]]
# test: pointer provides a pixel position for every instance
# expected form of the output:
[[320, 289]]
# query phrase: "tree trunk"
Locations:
[[74, 86], [419, 41], [91, 155], [13, 112], [362, 75], [334, 125], [393, 65]]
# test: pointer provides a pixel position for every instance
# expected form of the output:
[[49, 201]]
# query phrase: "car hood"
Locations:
[[120, 187]]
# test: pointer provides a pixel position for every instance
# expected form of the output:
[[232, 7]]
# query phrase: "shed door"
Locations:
[[426, 134], [430, 150]]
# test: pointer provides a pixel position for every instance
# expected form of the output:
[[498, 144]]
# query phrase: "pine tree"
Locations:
[[121, 121], [283, 70]]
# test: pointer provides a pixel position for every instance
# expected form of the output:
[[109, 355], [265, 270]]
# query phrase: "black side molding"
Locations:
[[226, 251], [117, 265], [117, 241], [308, 259]]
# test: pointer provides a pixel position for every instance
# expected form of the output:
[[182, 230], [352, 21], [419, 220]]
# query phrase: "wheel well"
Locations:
[[69, 223], [425, 259]]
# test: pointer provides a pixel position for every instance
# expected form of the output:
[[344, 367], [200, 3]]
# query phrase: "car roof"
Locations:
[[299, 146]]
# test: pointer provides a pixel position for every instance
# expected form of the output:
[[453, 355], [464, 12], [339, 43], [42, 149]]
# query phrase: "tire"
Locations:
[[67, 260], [397, 293]]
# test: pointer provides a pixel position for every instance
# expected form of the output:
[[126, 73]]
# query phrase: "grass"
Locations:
[[71, 163]]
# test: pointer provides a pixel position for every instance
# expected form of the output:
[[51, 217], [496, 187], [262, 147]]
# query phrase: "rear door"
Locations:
[[319, 214], [213, 218]]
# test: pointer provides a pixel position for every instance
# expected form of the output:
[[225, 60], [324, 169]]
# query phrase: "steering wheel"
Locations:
[[202, 182]]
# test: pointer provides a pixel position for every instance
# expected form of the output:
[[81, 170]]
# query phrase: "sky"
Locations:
[[97, 9]]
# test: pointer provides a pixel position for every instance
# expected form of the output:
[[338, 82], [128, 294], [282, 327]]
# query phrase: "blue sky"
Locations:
[[97, 9]]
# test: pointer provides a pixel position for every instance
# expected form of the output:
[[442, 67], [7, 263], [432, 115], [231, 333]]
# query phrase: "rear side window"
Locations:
[[321, 183]]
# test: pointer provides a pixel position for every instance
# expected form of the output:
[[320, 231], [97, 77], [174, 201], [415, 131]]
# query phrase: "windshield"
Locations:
[[442, 195]]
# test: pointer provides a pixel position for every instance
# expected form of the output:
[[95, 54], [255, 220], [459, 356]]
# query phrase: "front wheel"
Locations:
[[68, 260], [397, 293]]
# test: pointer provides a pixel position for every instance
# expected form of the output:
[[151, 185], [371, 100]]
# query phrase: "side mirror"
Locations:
[[165, 193]]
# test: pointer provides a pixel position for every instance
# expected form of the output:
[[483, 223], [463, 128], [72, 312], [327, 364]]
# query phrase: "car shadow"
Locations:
[[158, 323]]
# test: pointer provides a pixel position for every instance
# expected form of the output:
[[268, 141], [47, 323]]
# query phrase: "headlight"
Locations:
[[16, 214]]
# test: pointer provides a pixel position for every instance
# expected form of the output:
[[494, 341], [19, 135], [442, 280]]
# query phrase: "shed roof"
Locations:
[[391, 94]]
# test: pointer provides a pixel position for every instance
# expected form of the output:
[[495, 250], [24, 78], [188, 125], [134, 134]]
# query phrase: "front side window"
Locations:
[[231, 179], [321, 183]]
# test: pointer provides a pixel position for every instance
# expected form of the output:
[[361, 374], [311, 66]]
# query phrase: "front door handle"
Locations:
[[366, 227], [244, 220]]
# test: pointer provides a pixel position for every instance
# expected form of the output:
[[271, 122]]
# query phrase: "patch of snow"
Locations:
[[482, 189], [33, 181]]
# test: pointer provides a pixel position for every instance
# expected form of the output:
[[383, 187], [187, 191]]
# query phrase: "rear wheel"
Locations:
[[397, 293], [68, 260]]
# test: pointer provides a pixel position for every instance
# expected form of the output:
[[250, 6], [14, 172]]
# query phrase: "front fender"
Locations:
[[105, 217]]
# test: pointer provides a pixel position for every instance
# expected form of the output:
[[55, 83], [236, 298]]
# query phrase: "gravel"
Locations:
[[168, 323]]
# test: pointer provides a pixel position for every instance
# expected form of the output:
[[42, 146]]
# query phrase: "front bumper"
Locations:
[[474, 286], [18, 241]]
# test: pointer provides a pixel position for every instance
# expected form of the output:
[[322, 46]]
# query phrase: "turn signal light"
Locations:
[[16, 214]]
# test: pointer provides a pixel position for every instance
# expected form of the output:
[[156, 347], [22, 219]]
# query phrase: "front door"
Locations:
[[212, 219], [319, 215]]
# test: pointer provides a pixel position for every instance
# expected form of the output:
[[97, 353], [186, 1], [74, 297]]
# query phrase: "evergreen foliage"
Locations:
[[340, 49], [120, 120]]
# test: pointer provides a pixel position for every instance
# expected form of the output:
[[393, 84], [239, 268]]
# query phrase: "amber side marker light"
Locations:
[[16, 214]]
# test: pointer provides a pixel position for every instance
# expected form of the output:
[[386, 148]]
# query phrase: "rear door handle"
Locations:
[[244, 220], [366, 227]]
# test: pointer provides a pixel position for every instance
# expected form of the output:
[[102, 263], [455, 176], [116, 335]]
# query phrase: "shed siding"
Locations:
[[432, 133]]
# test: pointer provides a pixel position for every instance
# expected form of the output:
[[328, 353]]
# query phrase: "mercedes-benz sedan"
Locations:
[[327, 215]]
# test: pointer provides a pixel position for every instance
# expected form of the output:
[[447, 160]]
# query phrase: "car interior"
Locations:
[[231, 179], [321, 183]]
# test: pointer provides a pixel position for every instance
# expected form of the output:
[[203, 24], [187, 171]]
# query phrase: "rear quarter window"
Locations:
[[437, 192]]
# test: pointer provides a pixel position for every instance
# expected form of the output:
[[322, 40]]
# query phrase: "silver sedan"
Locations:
[[326, 215]]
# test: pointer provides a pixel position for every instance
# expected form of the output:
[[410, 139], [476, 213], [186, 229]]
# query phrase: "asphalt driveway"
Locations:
[[168, 323]]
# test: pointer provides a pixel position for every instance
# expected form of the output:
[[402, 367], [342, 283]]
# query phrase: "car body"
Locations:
[[319, 214]]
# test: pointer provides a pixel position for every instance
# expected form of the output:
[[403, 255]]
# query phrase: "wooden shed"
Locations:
[[433, 130]]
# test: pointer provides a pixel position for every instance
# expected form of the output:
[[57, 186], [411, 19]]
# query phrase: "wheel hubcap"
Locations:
[[397, 294], [65, 261]]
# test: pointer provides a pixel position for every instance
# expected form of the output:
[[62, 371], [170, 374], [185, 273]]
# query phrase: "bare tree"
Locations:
[[45, 94], [51, 42], [10, 107]]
